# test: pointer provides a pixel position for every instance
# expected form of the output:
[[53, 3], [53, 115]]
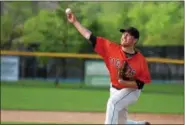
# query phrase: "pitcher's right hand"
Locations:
[[71, 17]]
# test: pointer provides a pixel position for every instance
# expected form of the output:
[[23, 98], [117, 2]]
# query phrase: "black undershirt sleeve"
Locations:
[[92, 39], [140, 84]]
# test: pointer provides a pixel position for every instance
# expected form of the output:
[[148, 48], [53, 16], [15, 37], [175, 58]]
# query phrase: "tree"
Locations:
[[50, 29], [13, 16], [157, 19]]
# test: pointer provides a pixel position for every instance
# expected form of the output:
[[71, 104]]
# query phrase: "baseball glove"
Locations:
[[123, 72]]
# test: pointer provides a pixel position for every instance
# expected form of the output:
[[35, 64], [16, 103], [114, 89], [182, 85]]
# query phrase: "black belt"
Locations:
[[116, 87]]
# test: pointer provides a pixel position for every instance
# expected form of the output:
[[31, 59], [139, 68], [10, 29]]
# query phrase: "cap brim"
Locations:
[[122, 30]]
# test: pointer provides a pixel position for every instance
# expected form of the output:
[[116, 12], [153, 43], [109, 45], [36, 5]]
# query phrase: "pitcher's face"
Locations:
[[127, 40]]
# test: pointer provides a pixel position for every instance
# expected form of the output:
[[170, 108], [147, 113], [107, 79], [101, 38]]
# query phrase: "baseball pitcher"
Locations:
[[127, 67]]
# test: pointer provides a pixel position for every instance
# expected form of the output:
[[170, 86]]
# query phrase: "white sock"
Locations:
[[135, 122]]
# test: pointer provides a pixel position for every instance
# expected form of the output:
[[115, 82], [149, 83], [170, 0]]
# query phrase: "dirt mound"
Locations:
[[82, 117]]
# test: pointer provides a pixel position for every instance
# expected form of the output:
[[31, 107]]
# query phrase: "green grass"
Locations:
[[61, 99], [175, 88], [159, 103], [52, 99]]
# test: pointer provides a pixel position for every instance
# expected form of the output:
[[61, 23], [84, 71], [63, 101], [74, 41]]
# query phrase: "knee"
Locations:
[[112, 103]]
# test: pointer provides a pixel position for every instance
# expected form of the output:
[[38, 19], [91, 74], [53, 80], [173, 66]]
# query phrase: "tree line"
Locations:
[[24, 23]]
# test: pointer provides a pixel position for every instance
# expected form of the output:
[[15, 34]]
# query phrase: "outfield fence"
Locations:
[[72, 67]]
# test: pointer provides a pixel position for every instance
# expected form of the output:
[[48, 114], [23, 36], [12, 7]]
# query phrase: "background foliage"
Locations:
[[23, 23]]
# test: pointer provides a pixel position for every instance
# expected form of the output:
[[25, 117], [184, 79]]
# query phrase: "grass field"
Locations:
[[38, 96], [175, 88]]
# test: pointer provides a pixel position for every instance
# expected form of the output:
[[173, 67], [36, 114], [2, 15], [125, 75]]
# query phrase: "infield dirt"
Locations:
[[82, 117]]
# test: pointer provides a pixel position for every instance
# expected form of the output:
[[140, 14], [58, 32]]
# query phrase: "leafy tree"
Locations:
[[50, 29], [168, 17], [12, 19], [156, 21]]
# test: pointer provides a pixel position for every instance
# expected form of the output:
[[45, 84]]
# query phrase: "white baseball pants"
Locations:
[[118, 103]]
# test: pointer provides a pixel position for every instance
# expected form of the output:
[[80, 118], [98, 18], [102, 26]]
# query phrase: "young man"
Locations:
[[123, 92]]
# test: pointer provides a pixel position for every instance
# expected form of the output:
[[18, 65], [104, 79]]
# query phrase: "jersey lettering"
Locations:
[[115, 62]]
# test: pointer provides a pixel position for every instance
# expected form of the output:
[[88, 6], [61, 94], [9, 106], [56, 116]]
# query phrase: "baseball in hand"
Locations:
[[68, 11]]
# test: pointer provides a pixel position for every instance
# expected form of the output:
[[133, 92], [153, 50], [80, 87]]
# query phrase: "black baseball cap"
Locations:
[[132, 31]]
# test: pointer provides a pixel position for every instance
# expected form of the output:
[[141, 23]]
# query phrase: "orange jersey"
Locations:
[[114, 56]]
